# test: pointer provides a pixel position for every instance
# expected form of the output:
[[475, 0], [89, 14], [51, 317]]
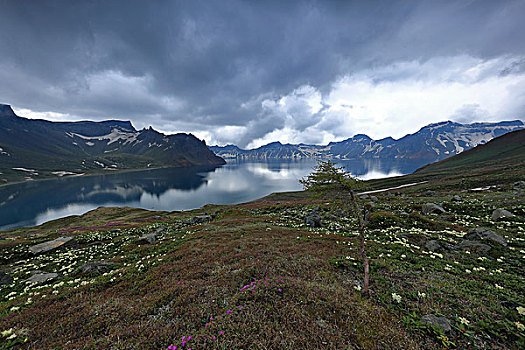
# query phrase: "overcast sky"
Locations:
[[252, 72]]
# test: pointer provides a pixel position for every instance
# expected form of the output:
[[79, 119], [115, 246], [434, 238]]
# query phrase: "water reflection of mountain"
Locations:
[[355, 166], [19, 203], [32, 203]]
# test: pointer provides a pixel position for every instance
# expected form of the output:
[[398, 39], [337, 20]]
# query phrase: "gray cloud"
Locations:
[[203, 65]]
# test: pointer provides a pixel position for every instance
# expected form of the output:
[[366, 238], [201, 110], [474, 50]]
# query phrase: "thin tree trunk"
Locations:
[[362, 235]]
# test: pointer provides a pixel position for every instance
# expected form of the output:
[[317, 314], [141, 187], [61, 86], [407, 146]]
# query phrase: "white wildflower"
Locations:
[[463, 320], [521, 310], [396, 297]]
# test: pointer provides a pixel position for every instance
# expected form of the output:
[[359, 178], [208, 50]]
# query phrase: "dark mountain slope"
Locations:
[[43, 147]]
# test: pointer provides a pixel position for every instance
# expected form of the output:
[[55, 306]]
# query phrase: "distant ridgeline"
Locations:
[[431, 143], [40, 148]]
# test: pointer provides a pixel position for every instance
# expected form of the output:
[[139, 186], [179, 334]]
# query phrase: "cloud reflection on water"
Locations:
[[167, 189]]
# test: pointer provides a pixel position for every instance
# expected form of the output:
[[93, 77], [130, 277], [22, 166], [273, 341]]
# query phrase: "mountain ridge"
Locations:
[[432, 142], [42, 148]]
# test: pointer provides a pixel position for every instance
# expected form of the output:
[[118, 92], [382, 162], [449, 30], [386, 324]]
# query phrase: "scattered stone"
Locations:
[[456, 198], [60, 242], [96, 268], [482, 234], [200, 219], [473, 246], [148, 238], [41, 277], [440, 322], [374, 198], [389, 194], [430, 193], [431, 208], [501, 214], [519, 184], [313, 219], [509, 304], [369, 205], [364, 197], [433, 245], [5, 278]]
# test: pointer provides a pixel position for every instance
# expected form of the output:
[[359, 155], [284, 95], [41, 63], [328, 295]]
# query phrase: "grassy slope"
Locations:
[[500, 151], [302, 282], [501, 159]]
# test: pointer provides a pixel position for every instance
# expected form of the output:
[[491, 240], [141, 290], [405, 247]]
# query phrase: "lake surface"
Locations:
[[33, 203]]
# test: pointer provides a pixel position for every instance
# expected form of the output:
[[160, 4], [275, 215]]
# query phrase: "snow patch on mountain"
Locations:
[[3, 153], [32, 172], [432, 142], [115, 136], [62, 173]]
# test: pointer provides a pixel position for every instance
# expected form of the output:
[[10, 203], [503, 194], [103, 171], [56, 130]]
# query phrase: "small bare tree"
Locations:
[[328, 178]]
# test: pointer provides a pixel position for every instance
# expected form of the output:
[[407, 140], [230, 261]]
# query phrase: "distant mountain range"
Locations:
[[34, 149], [431, 143]]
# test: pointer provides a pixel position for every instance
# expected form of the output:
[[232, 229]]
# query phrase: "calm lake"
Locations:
[[33, 203]]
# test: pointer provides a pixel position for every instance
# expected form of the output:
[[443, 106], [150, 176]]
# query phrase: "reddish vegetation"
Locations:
[[203, 278]]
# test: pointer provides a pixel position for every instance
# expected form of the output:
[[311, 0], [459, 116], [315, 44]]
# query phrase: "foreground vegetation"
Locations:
[[255, 276]]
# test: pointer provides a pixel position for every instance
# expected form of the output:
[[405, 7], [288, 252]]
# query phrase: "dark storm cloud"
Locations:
[[207, 64]]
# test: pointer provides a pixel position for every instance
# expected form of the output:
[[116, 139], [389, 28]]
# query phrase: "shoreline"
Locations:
[[117, 171]]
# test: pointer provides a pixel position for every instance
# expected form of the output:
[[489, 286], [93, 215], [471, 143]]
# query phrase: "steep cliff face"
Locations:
[[432, 142], [83, 146]]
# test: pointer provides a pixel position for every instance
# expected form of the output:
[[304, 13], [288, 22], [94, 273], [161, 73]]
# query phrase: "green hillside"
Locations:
[[508, 149], [501, 160]]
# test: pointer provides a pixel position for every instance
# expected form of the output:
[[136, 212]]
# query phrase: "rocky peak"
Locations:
[[361, 137], [6, 111]]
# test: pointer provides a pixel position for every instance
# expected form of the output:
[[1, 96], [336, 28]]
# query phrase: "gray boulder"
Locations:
[[432, 208], [430, 193], [473, 246], [519, 184], [374, 198], [39, 277], [483, 235], [433, 245], [364, 196], [501, 214], [5, 278], [456, 198], [96, 268], [313, 219], [369, 205], [200, 219], [45, 247], [440, 322], [148, 238]]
